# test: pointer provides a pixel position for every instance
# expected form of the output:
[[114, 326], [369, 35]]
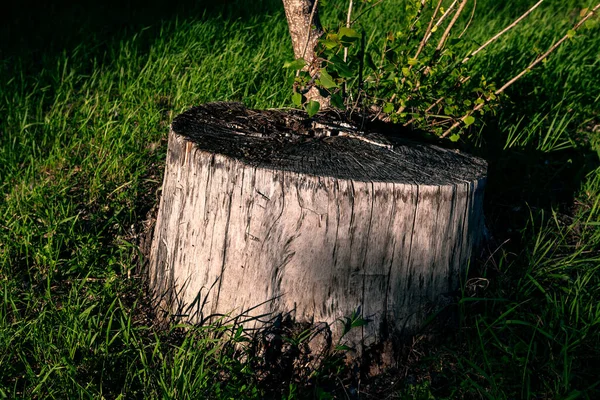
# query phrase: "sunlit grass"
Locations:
[[82, 142]]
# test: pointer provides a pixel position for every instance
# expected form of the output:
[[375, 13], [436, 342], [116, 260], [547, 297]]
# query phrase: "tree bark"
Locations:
[[271, 213], [305, 30]]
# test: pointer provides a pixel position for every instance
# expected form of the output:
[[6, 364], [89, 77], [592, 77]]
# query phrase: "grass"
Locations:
[[86, 97]]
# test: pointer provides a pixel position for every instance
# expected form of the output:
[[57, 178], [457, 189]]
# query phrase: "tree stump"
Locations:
[[265, 213]]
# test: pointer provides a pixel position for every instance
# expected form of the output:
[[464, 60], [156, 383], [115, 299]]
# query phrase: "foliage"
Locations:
[[418, 74]]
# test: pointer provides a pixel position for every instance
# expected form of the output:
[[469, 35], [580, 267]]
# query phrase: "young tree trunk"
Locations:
[[305, 30], [267, 213]]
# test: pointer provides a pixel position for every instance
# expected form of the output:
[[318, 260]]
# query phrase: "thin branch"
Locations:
[[365, 11], [470, 19], [529, 67], [308, 28], [444, 37], [550, 50], [440, 45], [428, 34], [425, 37], [348, 26], [503, 31], [428, 31], [442, 18], [438, 101], [444, 15], [417, 17], [348, 16]]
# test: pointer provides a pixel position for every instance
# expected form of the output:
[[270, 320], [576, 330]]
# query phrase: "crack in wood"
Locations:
[[311, 218]]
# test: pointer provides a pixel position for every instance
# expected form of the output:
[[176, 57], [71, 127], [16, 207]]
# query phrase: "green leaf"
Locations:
[[359, 322], [371, 63], [571, 33], [413, 61], [343, 70], [290, 80], [388, 108], [337, 101], [468, 120], [455, 137], [449, 110], [591, 23], [312, 108], [297, 99], [326, 80], [392, 56], [329, 44], [298, 63], [348, 34], [405, 71]]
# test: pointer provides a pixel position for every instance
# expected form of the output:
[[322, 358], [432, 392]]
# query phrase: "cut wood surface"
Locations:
[[269, 212]]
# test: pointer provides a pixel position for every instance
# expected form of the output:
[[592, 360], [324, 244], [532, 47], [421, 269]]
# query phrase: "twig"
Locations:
[[348, 26], [503, 31], [442, 18], [428, 31], [361, 69], [438, 101], [550, 50], [444, 15], [441, 43], [345, 88], [426, 37], [417, 17], [520, 74], [444, 37], [470, 19], [365, 11], [308, 28]]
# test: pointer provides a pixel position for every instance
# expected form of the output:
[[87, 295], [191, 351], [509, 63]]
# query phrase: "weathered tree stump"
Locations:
[[269, 212]]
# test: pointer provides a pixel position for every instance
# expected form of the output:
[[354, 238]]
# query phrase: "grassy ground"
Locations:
[[86, 96]]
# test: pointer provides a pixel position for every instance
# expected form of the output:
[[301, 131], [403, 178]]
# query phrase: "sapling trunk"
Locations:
[[305, 30]]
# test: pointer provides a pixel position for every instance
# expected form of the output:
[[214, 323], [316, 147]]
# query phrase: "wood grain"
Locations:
[[262, 216]]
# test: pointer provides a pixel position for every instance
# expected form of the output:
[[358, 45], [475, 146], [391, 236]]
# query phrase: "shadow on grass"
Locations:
[[522, 180], [34, 34]]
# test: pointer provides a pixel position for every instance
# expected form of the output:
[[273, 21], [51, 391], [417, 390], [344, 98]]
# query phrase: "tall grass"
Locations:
[[82, 143]]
